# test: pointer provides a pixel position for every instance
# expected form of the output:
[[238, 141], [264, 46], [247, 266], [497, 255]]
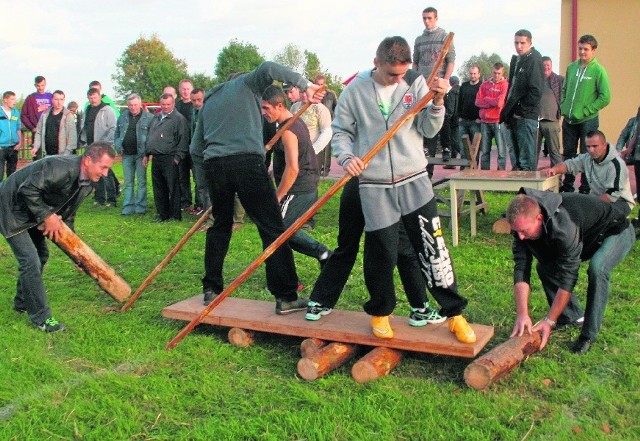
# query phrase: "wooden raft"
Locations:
[[340, 326]]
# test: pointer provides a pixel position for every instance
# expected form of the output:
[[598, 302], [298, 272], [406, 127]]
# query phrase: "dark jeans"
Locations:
[[31, 252], [425, 234], [166, 187], [246, 175], [335, 272], [184, 170], [8, 156], [572, 134], [199, 175], [292, 207], [106, 189], [324, 160]]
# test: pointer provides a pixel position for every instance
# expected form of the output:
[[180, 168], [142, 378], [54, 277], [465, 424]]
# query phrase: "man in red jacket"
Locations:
[[490, 101]]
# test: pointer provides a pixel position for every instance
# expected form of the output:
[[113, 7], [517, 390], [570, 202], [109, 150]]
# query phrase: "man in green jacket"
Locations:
[[584, 94]]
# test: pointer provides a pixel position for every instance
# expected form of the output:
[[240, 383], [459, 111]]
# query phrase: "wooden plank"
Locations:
[[340, 326]]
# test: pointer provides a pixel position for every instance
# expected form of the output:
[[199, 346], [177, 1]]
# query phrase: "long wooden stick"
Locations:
[[268, 251], [146, 282]]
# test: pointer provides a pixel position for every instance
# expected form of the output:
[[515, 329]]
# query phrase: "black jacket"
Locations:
[[31, 194], [526, 84], [574, 227]]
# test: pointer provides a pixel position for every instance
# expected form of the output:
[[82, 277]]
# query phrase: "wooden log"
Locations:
[[325, 360], [92, 264], [241, 337], [377, 363], [501, 226], [310, 346], [499, 361]]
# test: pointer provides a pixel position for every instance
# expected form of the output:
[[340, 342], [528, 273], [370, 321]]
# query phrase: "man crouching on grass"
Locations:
[[34, 201]]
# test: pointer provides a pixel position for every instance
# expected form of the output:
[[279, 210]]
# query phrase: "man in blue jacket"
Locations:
[[10, 134], [34, 201]]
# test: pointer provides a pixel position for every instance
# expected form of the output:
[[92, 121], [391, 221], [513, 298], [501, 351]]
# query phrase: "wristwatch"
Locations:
[[550, 322]]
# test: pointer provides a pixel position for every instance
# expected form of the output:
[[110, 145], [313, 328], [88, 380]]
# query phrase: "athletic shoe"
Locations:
[[283, 307], [422, 316], [315, 311], [50, 325], [446, 155], [19, 309], [459, 326], [208, 296], [581, 346], [322, 260], [566, 325], [381, 327]]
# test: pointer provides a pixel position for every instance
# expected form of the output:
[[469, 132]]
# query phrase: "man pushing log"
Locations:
[[34, 203]]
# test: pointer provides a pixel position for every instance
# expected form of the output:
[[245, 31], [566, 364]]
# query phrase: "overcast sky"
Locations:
[[74, 42]]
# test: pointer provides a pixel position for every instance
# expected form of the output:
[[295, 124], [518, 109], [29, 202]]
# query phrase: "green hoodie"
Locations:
[[585, 92]]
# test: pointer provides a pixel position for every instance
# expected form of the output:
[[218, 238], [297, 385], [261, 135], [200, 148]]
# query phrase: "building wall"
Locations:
[[614, 23]]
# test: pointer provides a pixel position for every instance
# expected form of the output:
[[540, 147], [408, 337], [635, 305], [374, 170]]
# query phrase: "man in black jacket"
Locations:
[[522, 107], [34, 202], [561, 231]]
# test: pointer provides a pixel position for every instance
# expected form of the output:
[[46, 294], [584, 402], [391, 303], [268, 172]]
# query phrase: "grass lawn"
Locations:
[[108, 376]]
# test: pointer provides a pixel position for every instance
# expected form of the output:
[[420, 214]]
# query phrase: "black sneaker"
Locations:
[[315, 311], [581, 345], [446, 155], [208, 296], [323, 261], [566, 325], [283, 307], [19, 309], [50, 325]]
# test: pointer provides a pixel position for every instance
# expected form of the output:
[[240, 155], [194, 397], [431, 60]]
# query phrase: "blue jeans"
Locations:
[[611, 252], [31, 252], [525, 142], [467, 127], [489, 132], [133, 169]]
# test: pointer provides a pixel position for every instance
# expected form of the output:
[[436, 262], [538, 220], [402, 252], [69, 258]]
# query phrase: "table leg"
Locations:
[[453, 195], [472, 205]]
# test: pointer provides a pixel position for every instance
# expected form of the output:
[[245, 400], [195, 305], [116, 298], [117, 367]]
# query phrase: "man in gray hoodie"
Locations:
[[395, 186]]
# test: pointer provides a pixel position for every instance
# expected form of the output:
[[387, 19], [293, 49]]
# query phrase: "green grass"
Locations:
[[108, 376]]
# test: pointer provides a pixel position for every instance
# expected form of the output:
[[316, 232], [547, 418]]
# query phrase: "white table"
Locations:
[[493, 180]]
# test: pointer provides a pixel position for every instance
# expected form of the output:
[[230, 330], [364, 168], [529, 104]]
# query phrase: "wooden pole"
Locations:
[[325, 360], [316, 206], [379, 362], [204, 217], [92, 264], [147, 281], [499, 361]]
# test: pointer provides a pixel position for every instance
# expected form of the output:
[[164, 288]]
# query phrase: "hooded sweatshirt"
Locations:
[[585, 92], [490, 100], [609, 176]]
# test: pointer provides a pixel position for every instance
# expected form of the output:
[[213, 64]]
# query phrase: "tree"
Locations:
[[146, 67], [485, 62], [202, 80], [291, 56], [237, 56], [312, 65]]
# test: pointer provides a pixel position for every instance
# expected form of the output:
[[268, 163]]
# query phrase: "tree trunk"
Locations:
[[325, 360], [377, 363], [241, 337]]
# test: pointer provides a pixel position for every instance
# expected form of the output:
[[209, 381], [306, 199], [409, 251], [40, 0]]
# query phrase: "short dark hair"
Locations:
[[588, 39], [546, 58], [197, 90], [274, 95], [93, 91], [522, 205], [430, 9], [39, 79], [95, 83], [498, 65], [7, 94], [393, 50], [164, 96], [523, 33], [58, 92], [598, 133], [98, 149]]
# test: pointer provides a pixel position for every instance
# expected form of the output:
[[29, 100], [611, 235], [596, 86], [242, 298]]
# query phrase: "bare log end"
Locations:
[[310, 346], [379, 362], [241, 337]]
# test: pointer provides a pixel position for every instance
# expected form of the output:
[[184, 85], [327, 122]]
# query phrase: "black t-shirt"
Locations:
[[90, 120], [130, 140], [52, 132]]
